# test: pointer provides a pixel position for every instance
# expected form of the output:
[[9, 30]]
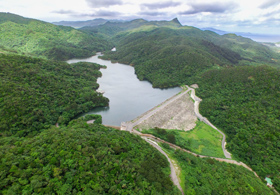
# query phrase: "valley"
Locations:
[[47, 146]]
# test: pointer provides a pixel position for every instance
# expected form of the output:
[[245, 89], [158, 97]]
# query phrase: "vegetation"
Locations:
[[41, 39], [118, 29], [97, 118], [200, 176], [83, 159], [244, 102], [203, 139], [37, 93]]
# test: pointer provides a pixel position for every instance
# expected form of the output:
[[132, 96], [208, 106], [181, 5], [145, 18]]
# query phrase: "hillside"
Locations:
[[207, 176], [111, 29], [168, 57], [83, 159], [244, 102], [37, 93], [40, 39]]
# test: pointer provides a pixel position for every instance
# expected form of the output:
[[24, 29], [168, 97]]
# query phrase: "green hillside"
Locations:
[[111, 29], [83, 159], [202, 176], [40, 39], [37, 93], [244, 102], [168, 57]]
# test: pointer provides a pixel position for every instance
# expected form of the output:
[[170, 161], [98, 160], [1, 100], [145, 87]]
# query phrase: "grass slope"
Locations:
[[202, 139]]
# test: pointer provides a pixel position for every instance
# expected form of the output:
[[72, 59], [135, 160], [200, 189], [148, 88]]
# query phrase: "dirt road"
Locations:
[[173, 175]]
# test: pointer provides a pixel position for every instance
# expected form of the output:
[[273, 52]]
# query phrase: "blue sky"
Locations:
[[262, 16]]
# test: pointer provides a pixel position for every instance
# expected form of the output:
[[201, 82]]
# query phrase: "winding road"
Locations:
[[205, 120]]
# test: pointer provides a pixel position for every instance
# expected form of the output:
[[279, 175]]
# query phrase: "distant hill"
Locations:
[[254, 36], [220, 32], [42, 39], [113, 28], [80, 24]]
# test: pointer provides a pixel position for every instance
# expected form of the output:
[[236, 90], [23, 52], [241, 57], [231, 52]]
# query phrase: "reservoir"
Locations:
[[129, 97]]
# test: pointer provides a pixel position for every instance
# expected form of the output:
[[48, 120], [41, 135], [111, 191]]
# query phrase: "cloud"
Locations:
[[99, 13], [66, 12], [105, 13], [213, 7], [160, 5], [151, 13], [103, 3], [269, 3]]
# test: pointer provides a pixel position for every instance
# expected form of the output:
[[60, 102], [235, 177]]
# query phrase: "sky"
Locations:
[[256, 16]]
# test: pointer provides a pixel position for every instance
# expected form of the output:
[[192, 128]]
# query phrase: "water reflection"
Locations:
[[128, 96]]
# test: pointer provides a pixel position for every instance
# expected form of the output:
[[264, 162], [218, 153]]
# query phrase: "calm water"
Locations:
[[128, 96]]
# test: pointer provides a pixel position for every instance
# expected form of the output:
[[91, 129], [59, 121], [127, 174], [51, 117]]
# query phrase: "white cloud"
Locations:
[[223, 13]]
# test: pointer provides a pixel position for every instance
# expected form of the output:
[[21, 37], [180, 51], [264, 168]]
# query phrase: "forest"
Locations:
[[41, 39], [36, 93], [200, 176], [83, 159], [170, 57]]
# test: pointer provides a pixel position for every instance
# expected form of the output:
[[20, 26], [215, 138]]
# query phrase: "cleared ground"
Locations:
[[179, 114]]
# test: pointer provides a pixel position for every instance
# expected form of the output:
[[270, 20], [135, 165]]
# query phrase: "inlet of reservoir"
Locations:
[[128, 96]]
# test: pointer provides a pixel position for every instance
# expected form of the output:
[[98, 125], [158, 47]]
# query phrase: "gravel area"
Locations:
[[178, 114]]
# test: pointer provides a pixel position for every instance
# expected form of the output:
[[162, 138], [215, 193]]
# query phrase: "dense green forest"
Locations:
[[42, 39], [200, 176], [244, 102], [37, 93], [83, 159]]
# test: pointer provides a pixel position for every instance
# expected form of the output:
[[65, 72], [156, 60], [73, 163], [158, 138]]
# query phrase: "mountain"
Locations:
[[220, 32], [42, 39], [80, 24], [113, 28], [169, 54]]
